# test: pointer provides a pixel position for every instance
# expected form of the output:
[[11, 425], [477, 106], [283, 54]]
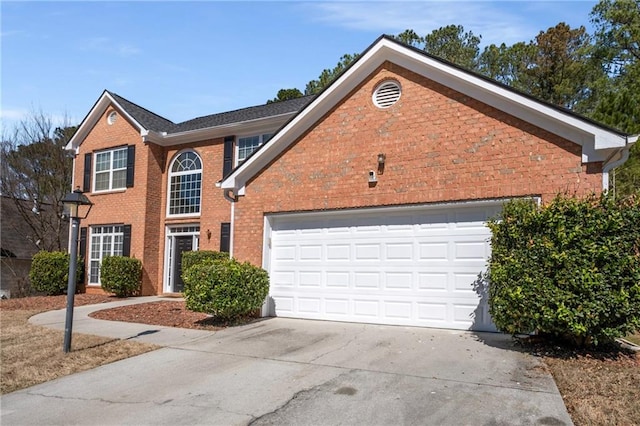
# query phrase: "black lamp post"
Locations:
[[73, 201]]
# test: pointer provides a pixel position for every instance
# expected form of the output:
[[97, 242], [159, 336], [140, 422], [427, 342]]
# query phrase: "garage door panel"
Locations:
[[309, 305], [437, 281], [416, 268], [365, 251]]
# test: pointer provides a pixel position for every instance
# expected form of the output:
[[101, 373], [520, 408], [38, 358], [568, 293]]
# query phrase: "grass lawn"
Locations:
[[598, 388], [31, 354]]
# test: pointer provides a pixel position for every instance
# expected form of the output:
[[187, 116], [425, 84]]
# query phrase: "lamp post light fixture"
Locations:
[[72, 201]]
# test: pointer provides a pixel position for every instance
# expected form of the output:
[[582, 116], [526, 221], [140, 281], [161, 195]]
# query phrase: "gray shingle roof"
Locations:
[[146, 118], [151, 121]]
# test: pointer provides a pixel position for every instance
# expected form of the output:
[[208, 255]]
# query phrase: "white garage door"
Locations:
[[404, 266]]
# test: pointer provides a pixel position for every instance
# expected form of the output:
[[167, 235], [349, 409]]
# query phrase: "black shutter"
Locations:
[[225, 237], [83, 252], [126, 243], [86, 184], [131, 161], [227, 162]]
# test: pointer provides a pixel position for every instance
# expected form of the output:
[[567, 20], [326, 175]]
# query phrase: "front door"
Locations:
[[182, 244], [179, 239]]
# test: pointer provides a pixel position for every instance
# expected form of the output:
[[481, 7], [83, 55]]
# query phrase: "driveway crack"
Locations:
[[347, 343]]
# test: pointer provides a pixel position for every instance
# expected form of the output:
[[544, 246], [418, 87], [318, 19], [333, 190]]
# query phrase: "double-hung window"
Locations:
[[248, 144], [110, 170], [105, 241]]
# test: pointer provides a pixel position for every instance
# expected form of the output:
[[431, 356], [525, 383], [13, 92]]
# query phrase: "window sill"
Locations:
[[114, 191]]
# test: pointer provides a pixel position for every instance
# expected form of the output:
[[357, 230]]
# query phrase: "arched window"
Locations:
[[185, 184]]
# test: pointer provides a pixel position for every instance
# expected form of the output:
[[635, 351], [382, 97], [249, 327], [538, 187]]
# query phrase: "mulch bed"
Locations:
[[163, 313]]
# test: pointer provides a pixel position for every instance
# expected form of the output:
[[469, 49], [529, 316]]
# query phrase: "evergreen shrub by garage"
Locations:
[[190, 258], [225, 288], [121, 275], [49, 272], [569, 269]]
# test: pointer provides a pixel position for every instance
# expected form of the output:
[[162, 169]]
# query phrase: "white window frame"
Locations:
[[172, 174], [111, 232], [262, 138], [110, 170]]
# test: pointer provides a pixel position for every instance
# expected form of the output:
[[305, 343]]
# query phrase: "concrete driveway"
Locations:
[[282, 371]]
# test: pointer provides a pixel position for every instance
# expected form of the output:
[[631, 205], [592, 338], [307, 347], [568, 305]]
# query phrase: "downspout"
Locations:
[[610, 165], [231, 198]]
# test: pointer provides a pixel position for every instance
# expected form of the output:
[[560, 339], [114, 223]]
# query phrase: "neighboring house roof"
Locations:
[[599, 143], [16, 241], [157, 129]]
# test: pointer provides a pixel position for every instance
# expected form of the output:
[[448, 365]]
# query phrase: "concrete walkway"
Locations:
[[82, 323], [296, 372]]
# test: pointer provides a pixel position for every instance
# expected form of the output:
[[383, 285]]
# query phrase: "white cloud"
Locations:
[[11, 33], [107, 45], [13, 113], [495, 21]]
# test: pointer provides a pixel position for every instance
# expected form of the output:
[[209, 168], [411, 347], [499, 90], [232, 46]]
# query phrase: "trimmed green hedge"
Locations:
[[190, 258], [121, 275], [570, 269], [225, 288], [49, 272]]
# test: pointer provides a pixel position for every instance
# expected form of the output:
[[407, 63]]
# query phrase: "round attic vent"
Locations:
[[111, 118], [386, 94]]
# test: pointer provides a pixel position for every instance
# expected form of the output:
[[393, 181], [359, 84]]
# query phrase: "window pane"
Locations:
[[119, 179], [94, 272], [246, 146], [120, 159], [103, 161]]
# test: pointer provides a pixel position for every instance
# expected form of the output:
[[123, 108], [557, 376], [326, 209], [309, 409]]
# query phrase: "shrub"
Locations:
[[190, 258], [49, 272], [227, 288], [121, 275], [570, 269]]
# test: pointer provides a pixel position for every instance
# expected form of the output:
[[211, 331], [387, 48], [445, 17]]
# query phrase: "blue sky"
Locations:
[[187, 59]]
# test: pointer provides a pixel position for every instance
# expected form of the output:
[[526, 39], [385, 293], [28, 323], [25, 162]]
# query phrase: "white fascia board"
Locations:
[[555, 121], [301, 122], [248, 126], [92, 118]]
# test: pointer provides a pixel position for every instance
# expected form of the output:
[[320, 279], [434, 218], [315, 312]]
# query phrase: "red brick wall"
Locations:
[[440, 146], [144, 205]]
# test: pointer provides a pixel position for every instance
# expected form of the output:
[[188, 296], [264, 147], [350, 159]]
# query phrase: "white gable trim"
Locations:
[[597, 143], [94, 115]]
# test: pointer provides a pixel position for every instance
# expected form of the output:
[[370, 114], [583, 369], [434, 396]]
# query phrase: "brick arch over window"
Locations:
[[185, 184]]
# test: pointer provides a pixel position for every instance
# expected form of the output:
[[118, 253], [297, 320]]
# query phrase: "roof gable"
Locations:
[[157, 129], [598, 142]]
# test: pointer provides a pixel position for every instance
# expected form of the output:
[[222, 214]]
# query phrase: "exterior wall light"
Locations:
[[72, 202], [381, 159]]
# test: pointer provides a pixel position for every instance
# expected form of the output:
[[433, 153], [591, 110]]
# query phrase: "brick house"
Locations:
[[365, 203]]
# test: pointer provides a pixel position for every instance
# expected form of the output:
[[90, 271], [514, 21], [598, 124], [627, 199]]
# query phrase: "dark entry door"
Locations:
[[183, 243]]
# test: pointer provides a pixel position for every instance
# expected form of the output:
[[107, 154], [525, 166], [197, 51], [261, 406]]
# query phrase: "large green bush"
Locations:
[[121, 275], [190, 258], [225, 288], [570, 269], [49, 272]]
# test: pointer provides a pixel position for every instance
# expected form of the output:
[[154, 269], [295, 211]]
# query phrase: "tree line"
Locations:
[[596, 75]]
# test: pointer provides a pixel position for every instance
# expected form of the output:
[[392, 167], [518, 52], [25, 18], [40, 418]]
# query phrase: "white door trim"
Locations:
[[172, 231]]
